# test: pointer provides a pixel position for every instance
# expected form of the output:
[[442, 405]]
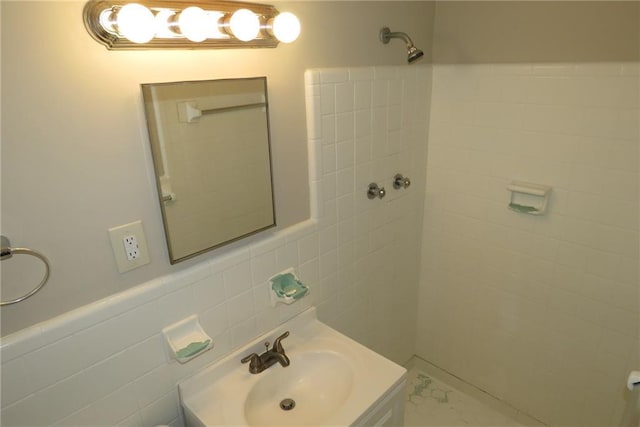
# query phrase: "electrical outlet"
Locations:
[[129, 246]]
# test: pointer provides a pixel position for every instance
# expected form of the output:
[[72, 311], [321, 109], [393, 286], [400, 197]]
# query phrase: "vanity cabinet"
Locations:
[[389, 412]]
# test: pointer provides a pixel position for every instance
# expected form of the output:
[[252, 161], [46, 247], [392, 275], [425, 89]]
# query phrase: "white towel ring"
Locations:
[[7, 252]]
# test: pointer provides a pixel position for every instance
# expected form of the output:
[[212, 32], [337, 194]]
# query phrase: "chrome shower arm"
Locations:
[[413, 53], [386, 34]]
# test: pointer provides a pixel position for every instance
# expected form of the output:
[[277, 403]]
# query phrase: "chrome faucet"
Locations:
[[259, 363]]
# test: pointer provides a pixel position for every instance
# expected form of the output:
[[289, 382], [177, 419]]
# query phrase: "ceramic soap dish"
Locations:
[[286, 288], [187, 339]]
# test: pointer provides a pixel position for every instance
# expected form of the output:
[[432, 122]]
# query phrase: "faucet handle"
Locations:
[[256, 364], [250, 358], [400, 181], [277, 346]]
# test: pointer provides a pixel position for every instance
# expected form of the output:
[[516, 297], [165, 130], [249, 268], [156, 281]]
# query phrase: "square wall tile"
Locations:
[[240, 308], [344, 97]]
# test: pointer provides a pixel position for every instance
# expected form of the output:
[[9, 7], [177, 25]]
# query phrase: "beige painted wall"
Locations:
[[75, 156], [536, 31]]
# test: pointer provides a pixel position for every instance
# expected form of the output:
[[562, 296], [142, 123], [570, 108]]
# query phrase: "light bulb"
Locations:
[[286, 27], [193, 24], [136, 23], [245, 25]]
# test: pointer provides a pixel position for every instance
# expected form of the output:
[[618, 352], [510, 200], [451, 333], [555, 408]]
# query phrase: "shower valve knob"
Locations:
[[376, 191], [400, 181]]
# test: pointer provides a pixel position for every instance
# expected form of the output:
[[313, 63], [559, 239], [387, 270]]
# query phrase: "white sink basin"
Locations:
[[332, 379], [319, 383]]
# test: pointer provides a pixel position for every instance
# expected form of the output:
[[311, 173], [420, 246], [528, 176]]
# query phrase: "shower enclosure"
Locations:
[[540, 311]]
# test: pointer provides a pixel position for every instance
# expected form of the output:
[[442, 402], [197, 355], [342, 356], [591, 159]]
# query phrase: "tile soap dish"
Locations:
[[187, 339], [528, 198], [286, 288]]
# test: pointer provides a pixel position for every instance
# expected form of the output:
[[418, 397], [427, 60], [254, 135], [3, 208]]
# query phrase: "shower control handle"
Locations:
[[375, 191], [400, 181]]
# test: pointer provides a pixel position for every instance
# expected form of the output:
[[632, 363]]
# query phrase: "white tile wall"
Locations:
[[107, 364], [540, 311], [368, 125]]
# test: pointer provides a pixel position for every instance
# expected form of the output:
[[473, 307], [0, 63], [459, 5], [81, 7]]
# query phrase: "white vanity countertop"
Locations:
[[345, 379]]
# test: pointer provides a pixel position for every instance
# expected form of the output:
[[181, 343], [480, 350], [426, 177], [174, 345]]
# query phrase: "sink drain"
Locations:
[[287, 404]]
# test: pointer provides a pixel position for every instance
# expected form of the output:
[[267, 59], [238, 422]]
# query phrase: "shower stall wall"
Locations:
[[366, 125], [541, 311]]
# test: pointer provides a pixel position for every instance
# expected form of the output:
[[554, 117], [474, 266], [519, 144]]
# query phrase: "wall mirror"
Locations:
[[211, 153]]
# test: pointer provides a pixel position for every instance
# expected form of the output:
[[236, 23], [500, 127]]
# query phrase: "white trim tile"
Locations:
[[360, 74], [209, 292], [243, 332], [334, 75], [344, 97], [163, 410], [240, 307], [15, 381], [238, 278]]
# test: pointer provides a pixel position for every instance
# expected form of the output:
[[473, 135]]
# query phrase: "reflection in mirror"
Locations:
[[211, 153]]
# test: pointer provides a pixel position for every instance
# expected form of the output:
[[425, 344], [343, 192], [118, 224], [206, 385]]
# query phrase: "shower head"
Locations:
[[413, 53]]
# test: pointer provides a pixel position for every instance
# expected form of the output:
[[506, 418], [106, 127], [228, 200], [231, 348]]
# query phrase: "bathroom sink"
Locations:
[[312, 389], [331, 381]]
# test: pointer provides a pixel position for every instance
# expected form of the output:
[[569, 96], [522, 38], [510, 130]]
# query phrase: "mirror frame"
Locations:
[[152, 131]]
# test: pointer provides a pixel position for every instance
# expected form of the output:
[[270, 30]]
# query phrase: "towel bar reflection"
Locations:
[[6, 252], [188, 112]]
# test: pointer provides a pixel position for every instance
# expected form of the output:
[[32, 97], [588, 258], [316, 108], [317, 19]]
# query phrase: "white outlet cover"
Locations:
[[131, 247], [117, 236]]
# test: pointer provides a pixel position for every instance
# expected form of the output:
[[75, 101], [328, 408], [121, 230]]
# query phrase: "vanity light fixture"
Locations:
[[178, 24]]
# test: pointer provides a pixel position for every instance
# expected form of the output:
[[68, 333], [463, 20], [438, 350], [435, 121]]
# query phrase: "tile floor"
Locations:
[[433, 403]]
